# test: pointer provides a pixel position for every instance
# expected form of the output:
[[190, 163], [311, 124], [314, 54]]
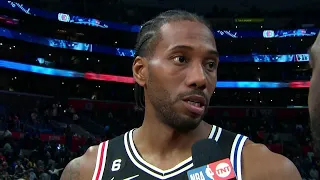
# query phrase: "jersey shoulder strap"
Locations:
[[100, 161], [115, 158], [232, 145]]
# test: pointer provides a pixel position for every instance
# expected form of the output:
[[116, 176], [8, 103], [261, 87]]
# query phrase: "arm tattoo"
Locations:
[[75, 170]]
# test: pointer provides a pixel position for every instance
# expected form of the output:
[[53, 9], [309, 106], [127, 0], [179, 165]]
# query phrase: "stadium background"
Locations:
[[66, 80]]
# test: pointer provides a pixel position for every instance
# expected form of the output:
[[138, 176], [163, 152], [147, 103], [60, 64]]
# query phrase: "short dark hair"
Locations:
[[149, 36]]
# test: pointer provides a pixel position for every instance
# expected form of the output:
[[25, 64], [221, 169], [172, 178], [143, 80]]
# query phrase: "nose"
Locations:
[[196, 77]]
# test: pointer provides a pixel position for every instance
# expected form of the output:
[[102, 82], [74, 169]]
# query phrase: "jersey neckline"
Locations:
[[139, 162]]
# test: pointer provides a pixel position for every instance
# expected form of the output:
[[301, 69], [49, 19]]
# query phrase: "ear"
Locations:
[[139, 69]]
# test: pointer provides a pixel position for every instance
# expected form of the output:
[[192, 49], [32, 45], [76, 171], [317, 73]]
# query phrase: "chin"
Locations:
[[186, 124], [179, 119], [189, 116]]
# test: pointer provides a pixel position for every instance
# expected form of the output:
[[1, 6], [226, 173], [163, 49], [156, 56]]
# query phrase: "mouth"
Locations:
[[195, 104]]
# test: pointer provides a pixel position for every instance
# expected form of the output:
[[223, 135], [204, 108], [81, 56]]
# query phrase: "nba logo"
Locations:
[[63, 17], [268, 33]]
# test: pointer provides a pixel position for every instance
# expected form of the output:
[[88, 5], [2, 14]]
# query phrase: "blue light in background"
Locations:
[[79, 46], [69, 18], [39, 69], [74, 74], [251, 84]]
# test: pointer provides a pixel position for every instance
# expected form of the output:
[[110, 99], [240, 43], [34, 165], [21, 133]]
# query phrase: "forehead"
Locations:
[[186, 32]]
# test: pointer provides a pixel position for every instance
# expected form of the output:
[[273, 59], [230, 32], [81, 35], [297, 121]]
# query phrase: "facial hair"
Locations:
[[162, 102]]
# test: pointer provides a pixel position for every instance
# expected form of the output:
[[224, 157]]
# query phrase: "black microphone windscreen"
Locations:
[[205, 152]]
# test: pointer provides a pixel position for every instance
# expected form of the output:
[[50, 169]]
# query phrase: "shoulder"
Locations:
[[82, 167], [260, 163]]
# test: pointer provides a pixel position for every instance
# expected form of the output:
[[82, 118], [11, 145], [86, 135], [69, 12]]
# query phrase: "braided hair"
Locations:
[[149, 35]]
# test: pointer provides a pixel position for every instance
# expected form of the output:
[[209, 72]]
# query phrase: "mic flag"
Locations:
[[209, 162], [220, 170]]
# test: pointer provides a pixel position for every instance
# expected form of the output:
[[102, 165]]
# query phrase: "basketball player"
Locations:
[[314, 93], [175, 69]]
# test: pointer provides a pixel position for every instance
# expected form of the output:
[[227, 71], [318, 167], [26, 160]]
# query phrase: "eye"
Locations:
[[180, 59], [211, 65]]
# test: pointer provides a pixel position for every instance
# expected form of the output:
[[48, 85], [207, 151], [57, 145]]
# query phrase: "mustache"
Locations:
[[194, 92]]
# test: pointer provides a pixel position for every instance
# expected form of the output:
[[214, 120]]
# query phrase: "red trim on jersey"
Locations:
[[101, 160]]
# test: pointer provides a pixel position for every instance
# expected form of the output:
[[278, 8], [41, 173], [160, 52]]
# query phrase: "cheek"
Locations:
[[212, 82]]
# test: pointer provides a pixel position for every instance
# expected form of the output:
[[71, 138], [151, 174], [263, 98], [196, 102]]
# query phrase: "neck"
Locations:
[[156, 137]]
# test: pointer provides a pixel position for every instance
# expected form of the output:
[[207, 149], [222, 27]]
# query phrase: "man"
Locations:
[[176, 72], [314, 93]]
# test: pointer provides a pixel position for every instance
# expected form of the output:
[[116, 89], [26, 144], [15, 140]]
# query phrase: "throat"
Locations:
[[163, 140], [165, 143], [158, 154]]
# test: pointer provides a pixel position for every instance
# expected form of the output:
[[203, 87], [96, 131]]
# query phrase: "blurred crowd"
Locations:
[[40, 135], [34, 141]]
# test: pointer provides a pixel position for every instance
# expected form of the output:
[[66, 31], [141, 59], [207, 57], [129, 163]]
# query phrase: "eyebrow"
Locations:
[[213, 52]]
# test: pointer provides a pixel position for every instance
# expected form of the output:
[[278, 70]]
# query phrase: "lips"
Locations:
[[195, 104], [196, 100]]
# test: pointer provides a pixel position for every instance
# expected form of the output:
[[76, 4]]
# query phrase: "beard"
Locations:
[[163, 104]]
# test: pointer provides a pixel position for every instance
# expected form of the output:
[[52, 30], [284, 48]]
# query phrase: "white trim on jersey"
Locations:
[[218, 134], [129, 135], [236, 154], [136, 154], [98, 170], [104, 159], [233, 148], [179, 171], [239, 157], [135, 162], [235, 157], [97, 162], [213, 130]]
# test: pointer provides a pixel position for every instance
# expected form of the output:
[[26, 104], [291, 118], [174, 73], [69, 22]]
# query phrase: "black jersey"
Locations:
[[118, 159]]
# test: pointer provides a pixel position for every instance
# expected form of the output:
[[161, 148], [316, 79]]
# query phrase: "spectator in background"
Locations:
[[54, 172], [314, 173], [108, 133], [75, 118], [68, 134], [54, 111], [7, 148], [2, 157], [110, 115], [30, 164], [34, 116], [5, 134], [16, 121], [46, 116], [32, 175], [44, 176], [4, 170], [19, 169]]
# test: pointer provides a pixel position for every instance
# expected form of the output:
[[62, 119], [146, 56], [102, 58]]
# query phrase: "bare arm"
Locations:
[[314, 93], [72, 171], [81, 168], [260, 163]]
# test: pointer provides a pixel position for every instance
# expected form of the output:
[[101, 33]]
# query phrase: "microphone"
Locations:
[[209, 162]]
